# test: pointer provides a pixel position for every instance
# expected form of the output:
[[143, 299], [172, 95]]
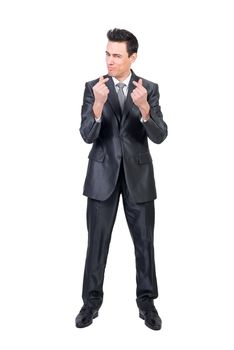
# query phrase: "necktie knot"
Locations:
[[121, 85]]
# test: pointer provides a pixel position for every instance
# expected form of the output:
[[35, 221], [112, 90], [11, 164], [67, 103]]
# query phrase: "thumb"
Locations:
[[103, 80], [140, 81]]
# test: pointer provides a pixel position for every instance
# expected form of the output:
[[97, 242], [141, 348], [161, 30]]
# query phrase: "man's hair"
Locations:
[[122, 35]]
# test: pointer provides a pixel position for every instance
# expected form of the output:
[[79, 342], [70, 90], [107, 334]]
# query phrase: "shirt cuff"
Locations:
[[98, 120], [143, 120]]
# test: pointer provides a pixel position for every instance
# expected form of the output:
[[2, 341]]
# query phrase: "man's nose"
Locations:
[[109, 60]]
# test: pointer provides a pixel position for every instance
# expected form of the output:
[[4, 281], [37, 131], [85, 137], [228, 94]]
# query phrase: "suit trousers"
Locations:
[[100, 221]]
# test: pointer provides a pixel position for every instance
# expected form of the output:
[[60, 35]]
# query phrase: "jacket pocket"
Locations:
[[144, 158], [96, 154]]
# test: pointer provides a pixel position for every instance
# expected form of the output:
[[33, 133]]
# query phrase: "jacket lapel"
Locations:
[[129, 101], [113, 98]]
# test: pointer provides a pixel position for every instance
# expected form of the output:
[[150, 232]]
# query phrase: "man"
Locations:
[[119, 112]]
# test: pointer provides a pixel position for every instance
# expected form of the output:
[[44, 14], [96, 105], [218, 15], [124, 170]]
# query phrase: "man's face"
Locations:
[[117, 60]]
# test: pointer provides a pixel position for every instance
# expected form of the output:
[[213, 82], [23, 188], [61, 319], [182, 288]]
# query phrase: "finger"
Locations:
[[137, 92], [133, 96], [103, 80], [104, 90], [103, 87], [138, 85]]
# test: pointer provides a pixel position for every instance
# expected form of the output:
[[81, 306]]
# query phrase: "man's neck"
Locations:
[[126, 80], [124, 77]]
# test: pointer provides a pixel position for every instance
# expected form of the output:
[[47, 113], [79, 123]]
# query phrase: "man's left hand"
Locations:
[[139, 97]]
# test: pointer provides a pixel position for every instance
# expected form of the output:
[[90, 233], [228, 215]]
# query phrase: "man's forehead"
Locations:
[[115, 47]]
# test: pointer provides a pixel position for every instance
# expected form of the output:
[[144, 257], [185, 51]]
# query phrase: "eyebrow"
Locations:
[[114, 54]]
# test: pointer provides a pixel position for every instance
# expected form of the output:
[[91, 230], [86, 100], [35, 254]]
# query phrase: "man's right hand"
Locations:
[[101, 91]]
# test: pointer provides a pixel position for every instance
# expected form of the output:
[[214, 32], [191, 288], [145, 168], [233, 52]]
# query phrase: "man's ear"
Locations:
[[133, 57]]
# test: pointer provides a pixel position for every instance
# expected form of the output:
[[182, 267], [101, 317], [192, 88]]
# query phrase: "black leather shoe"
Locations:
[[151, 317], [85, 317]]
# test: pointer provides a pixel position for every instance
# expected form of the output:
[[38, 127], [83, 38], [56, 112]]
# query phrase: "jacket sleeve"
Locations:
[[89, 128], [155, 127]]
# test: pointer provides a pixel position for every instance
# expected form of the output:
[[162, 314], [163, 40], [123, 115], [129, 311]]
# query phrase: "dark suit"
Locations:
[[120, 162]]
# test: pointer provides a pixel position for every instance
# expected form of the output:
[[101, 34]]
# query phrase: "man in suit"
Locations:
[[120, 111]]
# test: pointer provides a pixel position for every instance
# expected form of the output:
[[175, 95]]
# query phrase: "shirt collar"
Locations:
[[126, 81]]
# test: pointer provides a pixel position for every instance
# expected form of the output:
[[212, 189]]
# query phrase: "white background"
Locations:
[[48, 50]]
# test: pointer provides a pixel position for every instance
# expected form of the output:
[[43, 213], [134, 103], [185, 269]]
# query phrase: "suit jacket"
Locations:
[[121, 137]]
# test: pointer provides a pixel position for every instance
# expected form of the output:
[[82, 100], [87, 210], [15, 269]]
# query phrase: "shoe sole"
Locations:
[[87, 324], [156, 328]]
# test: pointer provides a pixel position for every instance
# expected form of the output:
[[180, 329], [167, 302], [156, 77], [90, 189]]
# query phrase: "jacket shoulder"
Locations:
[[148, 83], [94, 81]]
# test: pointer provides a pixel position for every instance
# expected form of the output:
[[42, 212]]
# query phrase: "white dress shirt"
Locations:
[[126, 82]]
